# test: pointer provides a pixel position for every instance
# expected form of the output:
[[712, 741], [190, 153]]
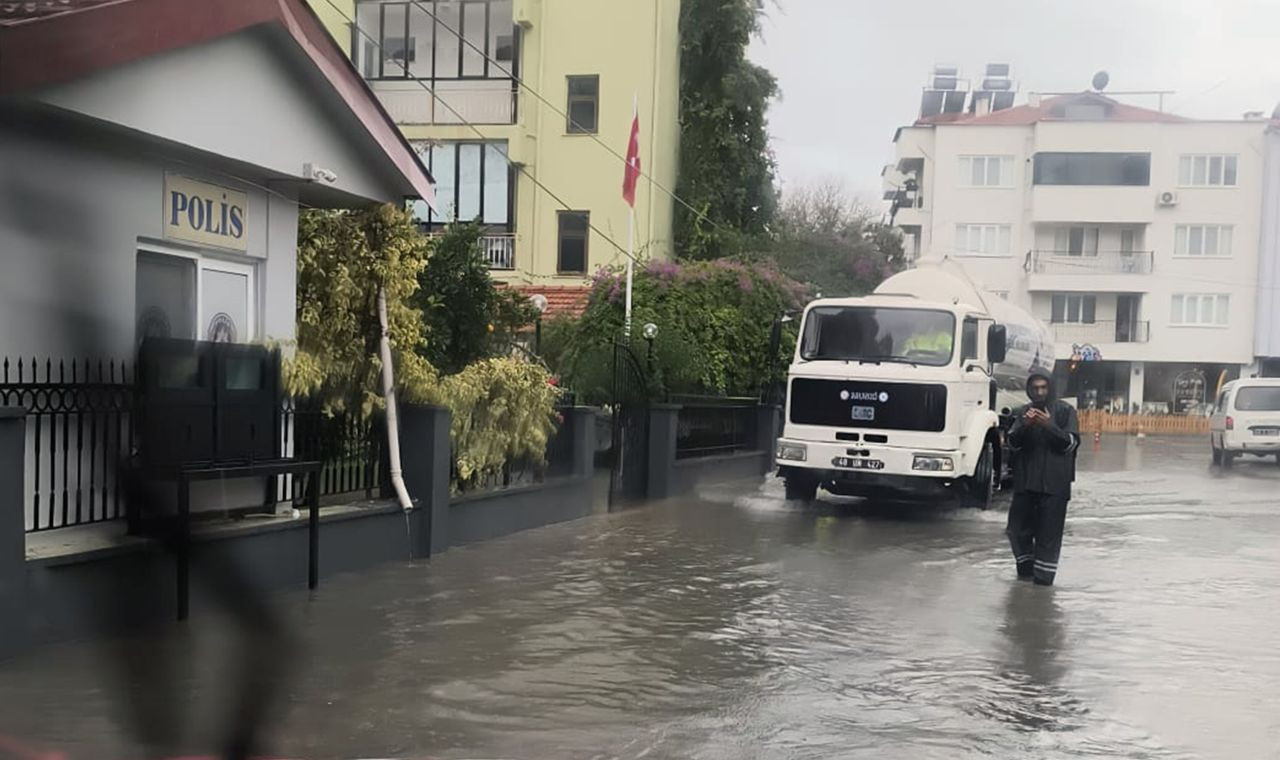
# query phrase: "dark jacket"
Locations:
[[1044, 455]]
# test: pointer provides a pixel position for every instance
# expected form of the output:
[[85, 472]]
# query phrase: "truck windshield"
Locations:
[[867, 333], [1258, 399]]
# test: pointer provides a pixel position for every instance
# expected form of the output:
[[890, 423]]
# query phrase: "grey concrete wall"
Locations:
[[664, 423], [133, 584], [248, 95], [492, 515], [688, 474]]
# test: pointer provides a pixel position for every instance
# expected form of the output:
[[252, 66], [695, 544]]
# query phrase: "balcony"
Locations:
[[409, 101], [1059, 271], [1125, 331], [499, 251]]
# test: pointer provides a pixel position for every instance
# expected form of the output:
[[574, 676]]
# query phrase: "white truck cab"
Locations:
[[899, 392]]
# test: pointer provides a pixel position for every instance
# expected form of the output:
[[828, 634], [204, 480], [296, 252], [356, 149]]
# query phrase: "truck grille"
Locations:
[[869, 404]]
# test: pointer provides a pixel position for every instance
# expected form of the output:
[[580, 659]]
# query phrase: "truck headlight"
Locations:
[[932, 463], [794, 452]]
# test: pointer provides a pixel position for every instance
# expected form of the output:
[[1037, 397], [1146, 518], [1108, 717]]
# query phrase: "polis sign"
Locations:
[[198, 212]]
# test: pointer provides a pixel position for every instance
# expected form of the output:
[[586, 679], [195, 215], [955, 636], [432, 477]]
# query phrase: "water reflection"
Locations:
[[1030, 693]]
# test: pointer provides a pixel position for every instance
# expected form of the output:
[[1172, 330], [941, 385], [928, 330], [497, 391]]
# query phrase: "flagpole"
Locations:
[[631, 234]]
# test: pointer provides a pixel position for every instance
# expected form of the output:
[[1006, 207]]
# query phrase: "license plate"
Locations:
[[858, 464], [864, 413], [1266, 431]]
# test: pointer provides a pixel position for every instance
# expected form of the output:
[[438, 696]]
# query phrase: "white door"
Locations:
[[226, 302]]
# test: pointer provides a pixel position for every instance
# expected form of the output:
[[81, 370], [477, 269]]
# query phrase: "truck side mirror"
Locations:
[[997, 343]]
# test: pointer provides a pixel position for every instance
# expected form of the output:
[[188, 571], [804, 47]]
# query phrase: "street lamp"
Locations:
[[539, 302], [650, 332]]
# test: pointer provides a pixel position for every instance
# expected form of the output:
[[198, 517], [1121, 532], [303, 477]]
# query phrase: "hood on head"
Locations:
[[1042, 376]]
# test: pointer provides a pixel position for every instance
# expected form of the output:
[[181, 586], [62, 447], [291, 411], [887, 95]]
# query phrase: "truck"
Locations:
[[906, 392]]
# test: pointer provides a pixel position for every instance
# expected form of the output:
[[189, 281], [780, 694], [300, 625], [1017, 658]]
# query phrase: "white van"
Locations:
[[1246, 420]]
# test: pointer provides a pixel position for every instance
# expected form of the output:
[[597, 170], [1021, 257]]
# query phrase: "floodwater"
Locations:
[[735, 625]]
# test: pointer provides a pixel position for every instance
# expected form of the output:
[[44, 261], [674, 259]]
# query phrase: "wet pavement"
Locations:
[[735, 625]]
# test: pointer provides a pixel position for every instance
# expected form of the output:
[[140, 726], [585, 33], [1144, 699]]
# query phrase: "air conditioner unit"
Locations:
[[1167, 198]]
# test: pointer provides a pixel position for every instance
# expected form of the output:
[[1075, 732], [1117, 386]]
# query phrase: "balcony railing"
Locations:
[[499, 251], [1103, 262], [1124, 331], [484, 102]]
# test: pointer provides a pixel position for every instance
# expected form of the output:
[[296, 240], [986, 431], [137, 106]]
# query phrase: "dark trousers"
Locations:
[[1036, 522]]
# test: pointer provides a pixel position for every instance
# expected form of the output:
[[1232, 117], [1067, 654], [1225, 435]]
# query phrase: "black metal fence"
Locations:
[[711, 425], [79, 429], [351, 446]]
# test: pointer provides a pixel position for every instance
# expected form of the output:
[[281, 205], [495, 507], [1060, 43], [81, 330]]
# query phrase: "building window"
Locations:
[[1207, 171], [983, 239], [474, 181], [1202, 240], [433, 39], [1076, 241], [1074, 309], [1092, 169], [574, 227], [1200, 309], [986, 171], [191, 297], [584, 105], [969, 340]]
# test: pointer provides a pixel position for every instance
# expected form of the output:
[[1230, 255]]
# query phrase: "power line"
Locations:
[[481, 135], [511, 74]]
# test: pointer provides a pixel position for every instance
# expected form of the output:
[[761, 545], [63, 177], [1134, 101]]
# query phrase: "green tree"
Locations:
[[830, 242], [714, 322], [344, 258], [467, 315], [726, 167]]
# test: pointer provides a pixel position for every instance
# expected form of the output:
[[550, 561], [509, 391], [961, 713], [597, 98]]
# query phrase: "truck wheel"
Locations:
[[801, 488], [1228, 459], [979, 490], [1217, 455]]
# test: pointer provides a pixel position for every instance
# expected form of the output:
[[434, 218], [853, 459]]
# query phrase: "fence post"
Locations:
[[664, 420], [581, 421], [13, 546], [427, 458], [767, 431]]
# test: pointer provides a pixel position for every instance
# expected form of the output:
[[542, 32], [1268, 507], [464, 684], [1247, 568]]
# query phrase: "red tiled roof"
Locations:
[[1026, 115], [46, 42], [562, 300]]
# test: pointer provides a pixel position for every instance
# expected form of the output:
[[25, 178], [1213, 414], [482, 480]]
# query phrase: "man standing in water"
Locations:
[[1044, 437]]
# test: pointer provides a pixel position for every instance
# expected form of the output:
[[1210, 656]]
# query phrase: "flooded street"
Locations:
[[736, 625]]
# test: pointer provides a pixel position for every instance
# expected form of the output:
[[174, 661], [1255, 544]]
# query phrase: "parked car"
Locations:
[[1246, 420]]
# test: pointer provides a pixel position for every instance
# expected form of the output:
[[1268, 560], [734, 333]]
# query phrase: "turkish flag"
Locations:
[[633, 164]]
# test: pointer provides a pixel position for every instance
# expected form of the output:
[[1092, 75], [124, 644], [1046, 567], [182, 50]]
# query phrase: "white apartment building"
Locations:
[[1132, 232]]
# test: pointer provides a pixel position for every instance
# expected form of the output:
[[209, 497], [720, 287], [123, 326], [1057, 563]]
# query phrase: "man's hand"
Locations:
[[1035, 416]]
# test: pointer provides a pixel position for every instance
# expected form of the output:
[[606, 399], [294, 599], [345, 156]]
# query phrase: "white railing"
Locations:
[[1103, 262], [409, 102], [499, 251], [1134, 331]]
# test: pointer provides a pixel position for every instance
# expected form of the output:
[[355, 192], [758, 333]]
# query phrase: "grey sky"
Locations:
[[851, 70]]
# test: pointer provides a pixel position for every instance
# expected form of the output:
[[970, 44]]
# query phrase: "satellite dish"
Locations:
[[1100, 81]]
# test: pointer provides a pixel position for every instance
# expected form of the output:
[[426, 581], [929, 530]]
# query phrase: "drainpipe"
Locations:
[[389, 396]]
